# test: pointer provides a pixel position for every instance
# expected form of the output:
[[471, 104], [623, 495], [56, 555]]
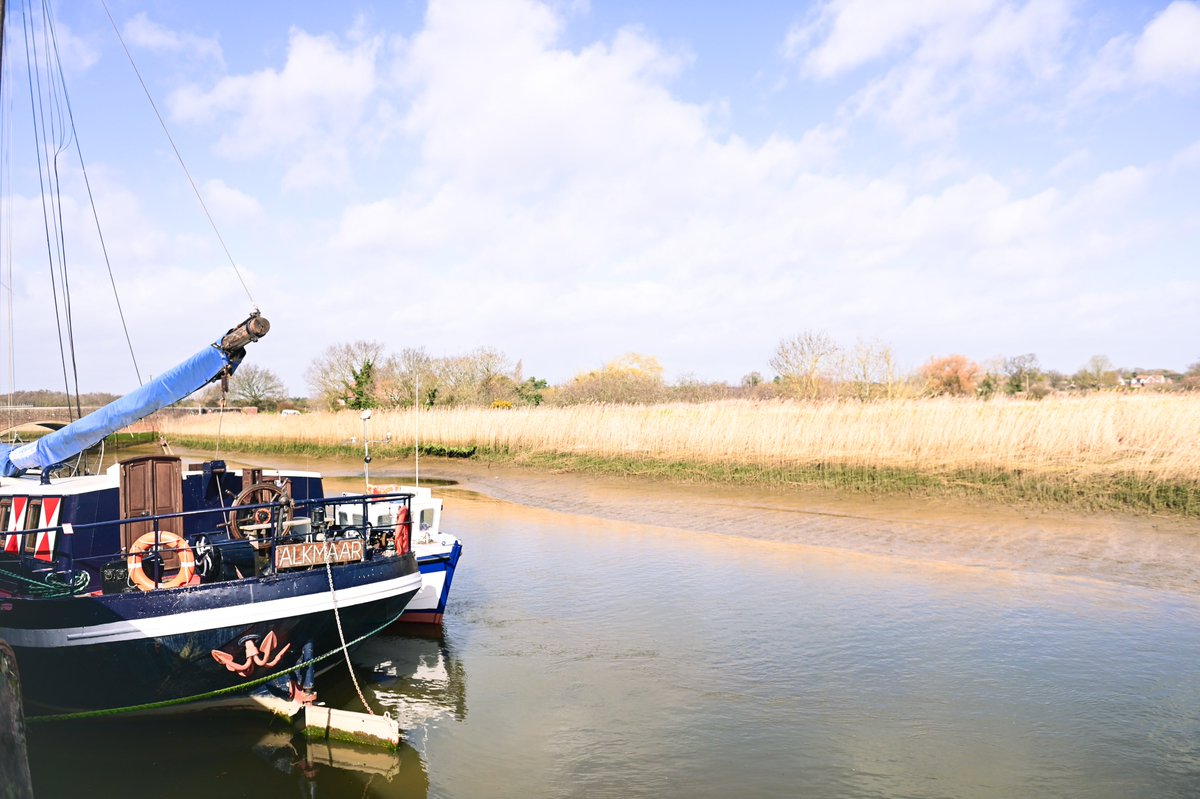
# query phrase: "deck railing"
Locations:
[[274, 524]]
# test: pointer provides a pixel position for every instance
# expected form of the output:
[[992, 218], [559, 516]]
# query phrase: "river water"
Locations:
[[587, 656]]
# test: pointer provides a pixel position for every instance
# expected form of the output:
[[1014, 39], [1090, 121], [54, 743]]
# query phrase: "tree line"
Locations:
[[810, 365], [44, 398]]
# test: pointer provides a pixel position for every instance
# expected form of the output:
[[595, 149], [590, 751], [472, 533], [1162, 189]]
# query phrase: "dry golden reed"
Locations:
[[1151, 436]]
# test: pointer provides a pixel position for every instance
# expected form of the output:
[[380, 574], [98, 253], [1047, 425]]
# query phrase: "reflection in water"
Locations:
[[616, 659], [415, 678], [226, 754]]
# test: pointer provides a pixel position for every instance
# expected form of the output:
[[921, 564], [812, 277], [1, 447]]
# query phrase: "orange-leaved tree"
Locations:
[[953, 375], [632, 378]]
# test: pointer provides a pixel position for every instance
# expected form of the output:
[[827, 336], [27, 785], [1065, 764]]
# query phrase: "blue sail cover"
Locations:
[[186, 378]]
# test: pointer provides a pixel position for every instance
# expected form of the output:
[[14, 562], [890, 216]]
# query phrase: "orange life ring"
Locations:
[[167, 541]]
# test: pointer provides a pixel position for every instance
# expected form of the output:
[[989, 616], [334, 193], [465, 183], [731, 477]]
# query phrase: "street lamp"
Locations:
[[366, 417]]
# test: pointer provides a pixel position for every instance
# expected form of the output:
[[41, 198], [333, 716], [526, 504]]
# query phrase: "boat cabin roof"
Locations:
[[31, 484]]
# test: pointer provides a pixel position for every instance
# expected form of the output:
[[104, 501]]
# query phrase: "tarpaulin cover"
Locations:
[[186, 378]]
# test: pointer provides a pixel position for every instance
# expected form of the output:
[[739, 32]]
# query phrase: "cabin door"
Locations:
[[150, 486]]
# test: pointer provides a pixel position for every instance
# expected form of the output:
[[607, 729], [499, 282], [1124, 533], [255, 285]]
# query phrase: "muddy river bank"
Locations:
[[613, 637], [1157, 553]]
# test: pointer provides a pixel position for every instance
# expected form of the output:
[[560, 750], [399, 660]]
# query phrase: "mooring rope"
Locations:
[[233, 689], [337, 616]]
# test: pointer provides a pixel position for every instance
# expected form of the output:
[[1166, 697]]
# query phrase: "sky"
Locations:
[[570, 181]]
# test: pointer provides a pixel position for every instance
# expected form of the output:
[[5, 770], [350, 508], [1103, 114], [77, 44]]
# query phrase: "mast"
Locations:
[[2, 14]]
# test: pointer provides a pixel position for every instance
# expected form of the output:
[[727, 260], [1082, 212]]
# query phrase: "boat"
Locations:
[[437, 551], [154, 583]]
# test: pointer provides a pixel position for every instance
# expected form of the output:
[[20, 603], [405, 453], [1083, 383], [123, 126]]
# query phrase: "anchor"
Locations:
[[256, 655]]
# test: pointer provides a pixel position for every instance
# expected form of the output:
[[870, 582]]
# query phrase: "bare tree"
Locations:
[[402, 376], [802, 361], [480, 377], [1021, 371], [345, 374], [871, 370], [256, 386], [1097, 373]]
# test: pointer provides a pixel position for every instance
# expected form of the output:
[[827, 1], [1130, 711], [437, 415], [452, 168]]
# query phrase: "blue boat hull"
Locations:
[[120, 650], [435, 566]]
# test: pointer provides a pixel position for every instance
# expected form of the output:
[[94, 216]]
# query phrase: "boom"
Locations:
[[216, 360]]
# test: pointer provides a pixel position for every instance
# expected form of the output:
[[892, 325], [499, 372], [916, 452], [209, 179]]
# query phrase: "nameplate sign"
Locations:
[[318, 553]]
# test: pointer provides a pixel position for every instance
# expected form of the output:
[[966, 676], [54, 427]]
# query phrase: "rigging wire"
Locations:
[[6, 228], [179, 156], [57, 92], [92, 202], [42, 144]]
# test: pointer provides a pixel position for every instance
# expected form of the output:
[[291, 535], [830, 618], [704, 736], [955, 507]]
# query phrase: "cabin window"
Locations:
[[33, 517], [427, 519]]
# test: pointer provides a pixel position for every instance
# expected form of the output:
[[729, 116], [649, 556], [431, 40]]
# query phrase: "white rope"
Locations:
[[342, 636]]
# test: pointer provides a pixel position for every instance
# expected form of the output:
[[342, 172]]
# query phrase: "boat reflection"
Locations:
[[335, 769], [213, 753], [416, 678]]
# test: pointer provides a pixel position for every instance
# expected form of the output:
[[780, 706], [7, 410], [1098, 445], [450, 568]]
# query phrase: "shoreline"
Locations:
[[1159, 553], [1087, 491], [1155, 553]]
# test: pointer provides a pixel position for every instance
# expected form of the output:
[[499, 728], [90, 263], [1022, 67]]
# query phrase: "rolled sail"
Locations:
[[188, 377]]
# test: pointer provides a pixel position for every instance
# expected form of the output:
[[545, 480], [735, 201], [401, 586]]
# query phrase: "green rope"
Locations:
[[233, 689], [38, 588]]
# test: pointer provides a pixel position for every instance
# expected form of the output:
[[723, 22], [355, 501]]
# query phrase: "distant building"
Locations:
[[1143, 380]]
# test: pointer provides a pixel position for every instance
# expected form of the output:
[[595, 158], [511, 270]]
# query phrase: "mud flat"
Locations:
[[1153, 552], [1147, 551]]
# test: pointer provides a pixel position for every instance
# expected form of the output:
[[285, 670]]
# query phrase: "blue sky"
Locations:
[[571, 181]]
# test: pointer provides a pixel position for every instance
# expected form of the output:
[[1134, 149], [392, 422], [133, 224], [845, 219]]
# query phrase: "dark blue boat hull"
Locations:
[[119, 650]]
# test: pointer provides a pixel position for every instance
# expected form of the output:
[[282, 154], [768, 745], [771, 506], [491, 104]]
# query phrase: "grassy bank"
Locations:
[[1139, 452]]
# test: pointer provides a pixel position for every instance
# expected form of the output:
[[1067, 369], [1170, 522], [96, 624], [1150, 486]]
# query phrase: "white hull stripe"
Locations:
[[430, 594], [211, 618]]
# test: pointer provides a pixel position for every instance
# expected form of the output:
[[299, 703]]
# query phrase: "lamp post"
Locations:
[[366, 417], [417, 428], [367, 442]]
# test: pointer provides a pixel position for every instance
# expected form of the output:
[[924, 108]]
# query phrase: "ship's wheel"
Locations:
[[258, 524]]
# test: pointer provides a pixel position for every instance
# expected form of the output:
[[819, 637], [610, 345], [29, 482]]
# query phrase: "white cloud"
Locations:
[[1188, 157], [573, 182], [1072, 162], [564, 204], [845, 34], [1164, 54], [943, 60], [1168, 51], [76, 53], [141, 31], [306, 114], [229, 205]]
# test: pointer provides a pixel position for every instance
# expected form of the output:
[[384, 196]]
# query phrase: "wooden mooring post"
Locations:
[[15, 782]]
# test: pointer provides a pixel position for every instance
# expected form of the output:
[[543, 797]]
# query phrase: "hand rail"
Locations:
[[65, 562]]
